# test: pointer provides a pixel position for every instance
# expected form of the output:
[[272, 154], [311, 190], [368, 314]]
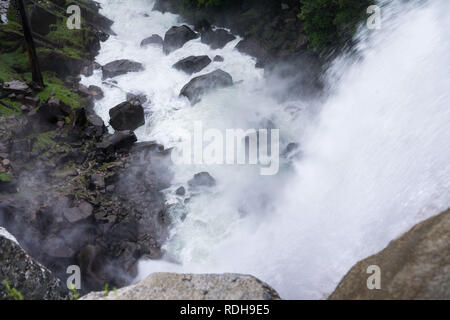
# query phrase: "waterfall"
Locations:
[[375, 152]]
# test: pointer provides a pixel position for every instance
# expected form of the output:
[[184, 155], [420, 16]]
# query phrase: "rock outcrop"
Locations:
[[169, 286], [206, 83], [414, 266], [27, 277]]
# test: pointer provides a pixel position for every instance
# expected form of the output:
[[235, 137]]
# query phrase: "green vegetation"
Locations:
[[332, 23], [12, 292], [4, 177], [75, 293], [44, 141]]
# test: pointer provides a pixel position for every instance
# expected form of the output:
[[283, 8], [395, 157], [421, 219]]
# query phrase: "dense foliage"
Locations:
[[331, 23]]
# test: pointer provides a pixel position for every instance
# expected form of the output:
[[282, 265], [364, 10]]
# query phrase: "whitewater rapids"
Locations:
[[375, 154]]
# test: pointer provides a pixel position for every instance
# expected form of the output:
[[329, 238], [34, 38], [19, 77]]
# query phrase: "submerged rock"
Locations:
[[414, 266], [176, 37], [152, 40], [217, 39], [192, 64], [120, 67], [206, 83], [26, 275], [127, 116], [170, 286]]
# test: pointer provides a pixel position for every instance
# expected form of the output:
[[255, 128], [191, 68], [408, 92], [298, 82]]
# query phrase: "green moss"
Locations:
[[44, 141], [4, 177], [55, 85]]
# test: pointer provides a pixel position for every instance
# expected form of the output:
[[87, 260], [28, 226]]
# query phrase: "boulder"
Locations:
[[202, 179], [53, 110], [137, 98], [218, 59], [217, 39], [127, 116], [119, 140], [252, 48], [96, 92], [152, 40], [26, 275], [414, 266], [120, 67], [206, 83], [169, 286], [15, 86], [202, 26], [192, 64], [176, 37]]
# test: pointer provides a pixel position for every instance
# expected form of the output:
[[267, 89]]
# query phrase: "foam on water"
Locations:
[[376, 159]]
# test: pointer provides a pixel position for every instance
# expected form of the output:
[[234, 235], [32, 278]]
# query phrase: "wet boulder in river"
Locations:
[[206, 83], [120, 67], [152, 40], [176, 37], [192, 64], [217, 39], [127, 116], [202, 179]]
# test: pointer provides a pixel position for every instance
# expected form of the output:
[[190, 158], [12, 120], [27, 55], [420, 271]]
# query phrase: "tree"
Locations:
[[31, 49]]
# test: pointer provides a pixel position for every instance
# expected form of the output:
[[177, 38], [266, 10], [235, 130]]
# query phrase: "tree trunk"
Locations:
[[34, 62]]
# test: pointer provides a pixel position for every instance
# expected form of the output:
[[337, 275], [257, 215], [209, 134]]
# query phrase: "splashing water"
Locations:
[[375, 155]]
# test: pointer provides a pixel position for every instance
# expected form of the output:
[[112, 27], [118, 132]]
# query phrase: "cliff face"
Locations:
[[414, 266], [70, 192], [22, 277]]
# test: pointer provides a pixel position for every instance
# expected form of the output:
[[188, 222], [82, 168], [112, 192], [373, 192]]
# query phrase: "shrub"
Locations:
[[331, 23]]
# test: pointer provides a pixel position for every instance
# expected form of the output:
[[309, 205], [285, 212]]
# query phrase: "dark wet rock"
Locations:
[[41, 20], [96, 92], [137, 98], [120, 67], [202, 26], [202, 179], [192, 64], [119, 140], [217, 39], [206, 83], [95, 126], [79, 213], [26, 275], [127, 116], [218, 59], [164, 6], [181, 191], [152, 40], [292, 151], [252, 48], [54, 110], [176, 37]]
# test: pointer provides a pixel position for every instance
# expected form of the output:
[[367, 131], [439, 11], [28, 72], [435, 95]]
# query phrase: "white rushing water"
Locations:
[[376, 157]]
